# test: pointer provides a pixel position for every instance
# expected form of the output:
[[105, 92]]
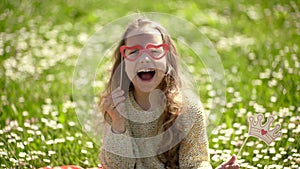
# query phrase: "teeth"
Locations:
[[145, 70]]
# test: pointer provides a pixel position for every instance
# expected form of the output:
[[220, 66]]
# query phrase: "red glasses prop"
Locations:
[[131, 53]]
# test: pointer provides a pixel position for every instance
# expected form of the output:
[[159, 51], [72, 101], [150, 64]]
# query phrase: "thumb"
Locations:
[[231, 161]]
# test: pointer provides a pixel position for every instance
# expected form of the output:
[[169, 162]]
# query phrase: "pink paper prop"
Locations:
[[263, 132], [156, 52]]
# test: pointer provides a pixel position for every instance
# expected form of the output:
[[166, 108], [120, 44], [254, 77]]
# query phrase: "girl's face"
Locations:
[[145, 72]]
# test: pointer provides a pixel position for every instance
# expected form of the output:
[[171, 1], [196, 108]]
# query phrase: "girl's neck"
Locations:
[[142, 99]]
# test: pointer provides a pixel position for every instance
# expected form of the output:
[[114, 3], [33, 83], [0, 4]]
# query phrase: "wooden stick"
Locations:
[[242, 147], [121, 74]]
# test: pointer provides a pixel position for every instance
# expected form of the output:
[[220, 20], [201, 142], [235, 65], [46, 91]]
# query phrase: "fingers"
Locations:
[[121, 108], [106, 103], [231, 161], [117, 92], [233, 166], [117, 96], [230, 164], [118, 100], [111, 102]]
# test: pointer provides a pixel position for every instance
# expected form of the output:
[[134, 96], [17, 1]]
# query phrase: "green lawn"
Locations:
[[257, 41]]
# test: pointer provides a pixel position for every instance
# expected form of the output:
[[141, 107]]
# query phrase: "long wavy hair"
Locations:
[[170, 85]]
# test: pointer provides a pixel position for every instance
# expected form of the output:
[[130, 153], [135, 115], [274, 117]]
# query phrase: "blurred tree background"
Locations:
[[258, 42]]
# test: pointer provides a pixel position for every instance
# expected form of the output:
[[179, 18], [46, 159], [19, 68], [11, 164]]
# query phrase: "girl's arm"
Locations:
[[116, 149], [193, 151], [111, 161]]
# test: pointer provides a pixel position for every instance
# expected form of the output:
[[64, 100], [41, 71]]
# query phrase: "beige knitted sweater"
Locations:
[[138, 146]]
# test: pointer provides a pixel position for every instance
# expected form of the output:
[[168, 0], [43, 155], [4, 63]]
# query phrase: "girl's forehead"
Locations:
[[142, 30], [144, 38]]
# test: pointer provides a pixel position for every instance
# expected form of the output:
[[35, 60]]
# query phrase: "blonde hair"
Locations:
[[170, 85]]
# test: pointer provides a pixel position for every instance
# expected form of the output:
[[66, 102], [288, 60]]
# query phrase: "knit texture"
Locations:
[[138, 146]]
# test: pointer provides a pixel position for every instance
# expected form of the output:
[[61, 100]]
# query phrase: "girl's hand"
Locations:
[[112, 104], [230, 164]]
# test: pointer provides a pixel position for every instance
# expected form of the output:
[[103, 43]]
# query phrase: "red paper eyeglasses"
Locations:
[[156, 52]]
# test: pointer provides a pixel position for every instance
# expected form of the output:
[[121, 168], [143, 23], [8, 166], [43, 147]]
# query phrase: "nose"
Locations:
[[145, 58]]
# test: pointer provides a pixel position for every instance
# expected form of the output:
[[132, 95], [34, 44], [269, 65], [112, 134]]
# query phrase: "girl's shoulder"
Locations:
[[192, 111], [192, 103]]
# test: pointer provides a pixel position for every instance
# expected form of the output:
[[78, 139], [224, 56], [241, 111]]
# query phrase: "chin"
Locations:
[[145, 90], [145, 87]]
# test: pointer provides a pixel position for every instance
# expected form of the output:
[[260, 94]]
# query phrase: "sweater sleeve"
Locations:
[[117, 150], [193, 151]]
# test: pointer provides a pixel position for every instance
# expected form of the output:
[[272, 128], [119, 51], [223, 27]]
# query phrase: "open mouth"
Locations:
[[146, 74]]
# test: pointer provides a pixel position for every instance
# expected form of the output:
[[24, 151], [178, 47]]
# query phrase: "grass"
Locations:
[[40, 41]]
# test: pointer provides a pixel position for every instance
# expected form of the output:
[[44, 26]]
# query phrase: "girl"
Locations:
[[150, 121]]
